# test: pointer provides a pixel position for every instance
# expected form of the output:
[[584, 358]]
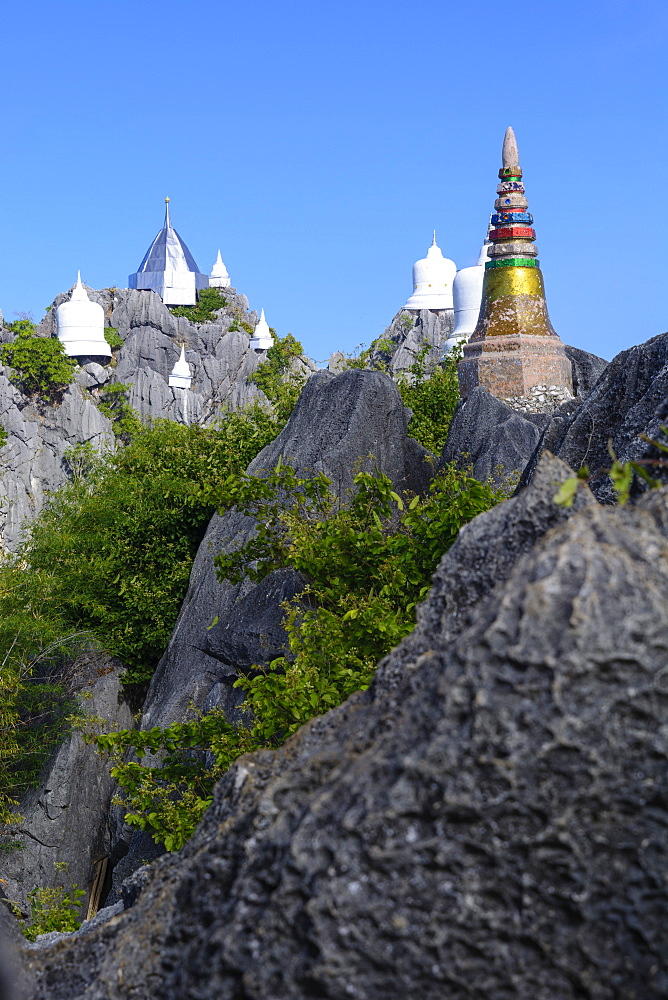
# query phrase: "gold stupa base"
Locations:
[[510, 365]]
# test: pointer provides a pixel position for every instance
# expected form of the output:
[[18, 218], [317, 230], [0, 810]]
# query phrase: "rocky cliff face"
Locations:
[[485, 821], [32, 462], [408, 333], [39, 435]]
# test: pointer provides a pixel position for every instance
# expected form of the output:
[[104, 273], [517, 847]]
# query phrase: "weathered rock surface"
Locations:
[[409, 332], [485, 821], [66, 818], [341, 424], [587, 369], [491, 437], [32, 462], [625, 402]]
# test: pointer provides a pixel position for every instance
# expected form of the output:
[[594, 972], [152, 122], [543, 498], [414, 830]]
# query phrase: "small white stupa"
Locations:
[[169, 268], [432, 280], [467, 295], [81, 325], [219, 278], [262, 338], [180, 377]]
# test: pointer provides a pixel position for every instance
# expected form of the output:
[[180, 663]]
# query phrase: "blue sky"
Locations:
[[318, 145]]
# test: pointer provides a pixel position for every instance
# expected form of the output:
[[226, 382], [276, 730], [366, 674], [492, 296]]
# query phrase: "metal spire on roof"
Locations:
[[433, 242], [168, 224]]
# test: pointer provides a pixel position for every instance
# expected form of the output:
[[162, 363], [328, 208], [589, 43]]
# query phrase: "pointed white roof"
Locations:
[[169, 268], [219, 277], [262, 338]]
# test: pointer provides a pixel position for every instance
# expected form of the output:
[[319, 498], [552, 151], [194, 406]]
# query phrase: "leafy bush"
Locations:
[[208, 301], [277, 377], [113, 337], [54, 908], [111, 552], [367, 564], [42, 368], [432, 395], [126, 422]]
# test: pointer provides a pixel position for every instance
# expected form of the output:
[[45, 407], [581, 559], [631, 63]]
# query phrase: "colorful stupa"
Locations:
[[513, 346]]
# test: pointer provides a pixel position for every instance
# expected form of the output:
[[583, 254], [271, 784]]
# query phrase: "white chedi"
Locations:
[[262, 338], [180, 377], [467, 295], [433, 276], [219, 278], [80, 325]]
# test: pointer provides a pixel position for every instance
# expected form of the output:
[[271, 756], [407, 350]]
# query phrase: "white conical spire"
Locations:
[[180, 377], [219, 278], [432, 280], [169, 268], [262, 338], [81, 325]]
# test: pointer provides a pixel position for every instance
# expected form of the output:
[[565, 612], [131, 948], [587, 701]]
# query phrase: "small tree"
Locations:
[[40, 364]]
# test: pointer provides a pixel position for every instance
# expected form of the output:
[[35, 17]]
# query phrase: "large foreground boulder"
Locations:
[[486, 821]]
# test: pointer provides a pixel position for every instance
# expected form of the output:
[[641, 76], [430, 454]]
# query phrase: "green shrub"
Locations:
[[432, 394], [367, 565], [126, 422], [111, 552], [208, 301], [113, 337], [54, 908], [40, 364], [277, 377]]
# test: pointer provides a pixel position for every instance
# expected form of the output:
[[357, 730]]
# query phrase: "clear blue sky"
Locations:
[[318, 144]]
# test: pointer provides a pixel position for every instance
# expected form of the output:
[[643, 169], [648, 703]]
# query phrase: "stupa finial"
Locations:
[[433, 242], [168, 224], [510, 155]]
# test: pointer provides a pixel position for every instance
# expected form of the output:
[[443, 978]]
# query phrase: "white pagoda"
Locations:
[[219, 278], [433, 276], [169, 268], [80, 324]]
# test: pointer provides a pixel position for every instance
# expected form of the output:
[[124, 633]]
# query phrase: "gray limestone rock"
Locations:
[[626, 401], [408, 333], [587, 369], [486, 821], [491, 438], [32, 463], [64, 819]]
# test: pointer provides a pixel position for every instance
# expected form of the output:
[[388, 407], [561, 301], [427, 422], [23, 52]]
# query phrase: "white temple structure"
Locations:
[[262, 338], [169, 268], [180, 377], [219, 278], [81, 325], [433, 276], [467, 295]]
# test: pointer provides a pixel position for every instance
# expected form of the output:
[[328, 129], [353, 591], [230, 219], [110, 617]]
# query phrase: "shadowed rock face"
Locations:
[[485, 821], [627, 400]]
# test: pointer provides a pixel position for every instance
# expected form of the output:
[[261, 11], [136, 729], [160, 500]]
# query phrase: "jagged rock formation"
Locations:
[[491, 438], [627, 401], [484, 821], [220, 358], [408, 333], [39, 435], [66, 819], [32, 462]]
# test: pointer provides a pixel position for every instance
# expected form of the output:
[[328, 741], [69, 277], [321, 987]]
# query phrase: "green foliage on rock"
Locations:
[[279, 376], [367, 563], [113, 337], [54, 908], [114, 548], [125, 420], [41, 367], [209, 300], [432, 394]]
